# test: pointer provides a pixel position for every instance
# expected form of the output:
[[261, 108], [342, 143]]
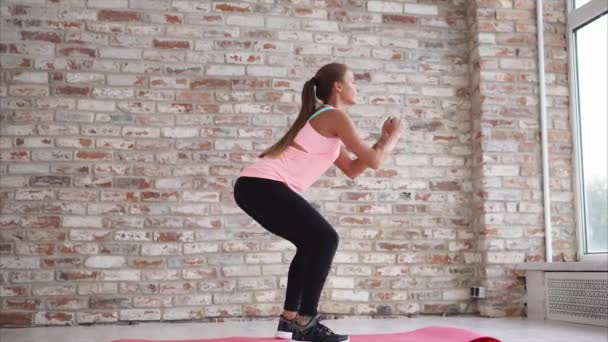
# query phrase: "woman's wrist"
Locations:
[[381, 142]]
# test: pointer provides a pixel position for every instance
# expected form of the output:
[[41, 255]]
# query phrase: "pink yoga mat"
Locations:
[[430, 334]]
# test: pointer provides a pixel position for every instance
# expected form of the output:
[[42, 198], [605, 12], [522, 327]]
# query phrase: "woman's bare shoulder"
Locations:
[[328, 123]]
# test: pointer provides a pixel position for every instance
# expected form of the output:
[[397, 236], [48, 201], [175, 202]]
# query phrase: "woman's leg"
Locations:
[[285, 213], [295, 282], [319, 254]]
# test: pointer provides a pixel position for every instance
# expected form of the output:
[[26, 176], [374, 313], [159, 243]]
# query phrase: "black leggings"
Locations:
[[283, 212]]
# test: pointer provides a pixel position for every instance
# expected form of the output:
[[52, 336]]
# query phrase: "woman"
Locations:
[[268, 191]]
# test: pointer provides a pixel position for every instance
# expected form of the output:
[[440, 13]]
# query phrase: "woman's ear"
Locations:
[[338, 86]]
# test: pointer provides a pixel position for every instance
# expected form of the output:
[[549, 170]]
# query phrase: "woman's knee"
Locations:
[[332, 239], [321, 241]]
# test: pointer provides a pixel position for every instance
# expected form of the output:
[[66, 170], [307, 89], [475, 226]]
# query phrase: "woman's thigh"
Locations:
[[281, 211]]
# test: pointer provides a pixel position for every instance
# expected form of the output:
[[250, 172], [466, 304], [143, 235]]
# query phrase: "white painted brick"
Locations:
[[105, 261], [350, 295], [420, 9], [31, 77], [245, 20], [159, 5], [140, 315], [320, 25], [179, 132], [506, 257], [241, 271], [295, 36], [225, 70], [108, 3], [76, 77], [28, 168], [96, 105], [265, 71], [120, 53], [384, 6], [19, 262], [283, 23]]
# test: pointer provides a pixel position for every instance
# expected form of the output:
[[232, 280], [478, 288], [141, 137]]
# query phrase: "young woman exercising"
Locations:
[[267, 190]]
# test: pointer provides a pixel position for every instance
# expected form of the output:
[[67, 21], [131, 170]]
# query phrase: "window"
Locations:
[[588, 45], [580, 3]]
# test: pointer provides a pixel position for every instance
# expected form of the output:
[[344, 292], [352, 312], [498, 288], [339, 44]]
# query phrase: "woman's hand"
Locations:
[[392, 126]]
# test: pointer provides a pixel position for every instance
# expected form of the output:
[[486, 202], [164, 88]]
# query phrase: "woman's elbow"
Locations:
[[374, 163], [352, 173]]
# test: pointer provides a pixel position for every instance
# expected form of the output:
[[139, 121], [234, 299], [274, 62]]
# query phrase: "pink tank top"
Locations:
[[296, 168]]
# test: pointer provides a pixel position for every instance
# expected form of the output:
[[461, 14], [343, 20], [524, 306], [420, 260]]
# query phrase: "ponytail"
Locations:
[[309, 104], [319, 87]]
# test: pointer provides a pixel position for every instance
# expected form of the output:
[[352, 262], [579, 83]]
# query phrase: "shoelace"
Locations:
[[325, 331]]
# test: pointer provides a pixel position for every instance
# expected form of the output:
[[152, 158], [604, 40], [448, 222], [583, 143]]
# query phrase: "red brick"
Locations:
[[558, 67], [15, 156], [132, 183], [233, 44], [64, 25], [93, 155], [10, 318], [446, 186], [225, 7], [50, 181], [61, 262], [42, 36], [77, 275], [109, 303], [77, 51], [158, 195], [146, 263], [59, 316], [112, 15], [171, 44], [207, 108], [170, 236], [173, 19], [508, 14], [251, 84], [73, 91], [209, 83], [22, 304], [17, 291], [399, 19], [21, 9]]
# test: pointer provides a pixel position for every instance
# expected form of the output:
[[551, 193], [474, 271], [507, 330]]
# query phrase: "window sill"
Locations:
[[581, 266]]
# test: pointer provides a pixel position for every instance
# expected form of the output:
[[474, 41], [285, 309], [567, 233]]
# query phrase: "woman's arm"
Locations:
[[352, 168], [391, 131], [372, 156]]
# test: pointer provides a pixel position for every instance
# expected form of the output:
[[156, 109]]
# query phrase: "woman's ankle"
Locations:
[[302, 320], [289, 315]]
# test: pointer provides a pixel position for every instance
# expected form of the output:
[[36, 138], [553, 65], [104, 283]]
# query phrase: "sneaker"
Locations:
[[286, 328], [316, 332]]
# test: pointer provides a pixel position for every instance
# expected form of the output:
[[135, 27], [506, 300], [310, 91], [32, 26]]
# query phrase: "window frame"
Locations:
[[577, 18]]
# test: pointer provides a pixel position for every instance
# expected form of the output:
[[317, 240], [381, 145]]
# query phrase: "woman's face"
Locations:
[[347, 89]]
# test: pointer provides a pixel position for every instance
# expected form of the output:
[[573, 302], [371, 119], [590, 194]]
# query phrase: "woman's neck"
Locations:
[[334, 103]]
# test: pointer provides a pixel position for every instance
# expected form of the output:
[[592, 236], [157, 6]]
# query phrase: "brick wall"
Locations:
[[124, 123], [507, 164]]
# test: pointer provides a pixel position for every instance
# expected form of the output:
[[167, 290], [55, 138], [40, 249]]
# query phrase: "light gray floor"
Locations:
[[506, 329]]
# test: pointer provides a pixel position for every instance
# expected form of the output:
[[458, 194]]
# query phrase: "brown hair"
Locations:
[[317, 87]]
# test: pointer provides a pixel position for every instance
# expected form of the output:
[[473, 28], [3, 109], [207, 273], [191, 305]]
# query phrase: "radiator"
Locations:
[[578, 297]]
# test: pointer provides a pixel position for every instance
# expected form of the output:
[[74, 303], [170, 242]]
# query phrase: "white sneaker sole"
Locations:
[[283, 335]]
